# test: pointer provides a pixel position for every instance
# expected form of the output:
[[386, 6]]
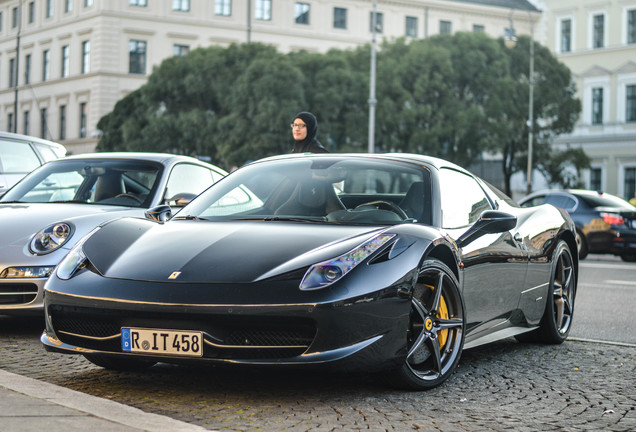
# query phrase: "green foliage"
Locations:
[[453, 97]]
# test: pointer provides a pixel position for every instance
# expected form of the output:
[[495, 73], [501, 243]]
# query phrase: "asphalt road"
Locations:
[[581, 385]]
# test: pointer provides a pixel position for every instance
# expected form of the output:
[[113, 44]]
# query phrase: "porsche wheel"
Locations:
[[435, 336], [557, 318], [118, 363]]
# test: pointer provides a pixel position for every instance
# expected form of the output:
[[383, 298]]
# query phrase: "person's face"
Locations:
[[299, 129]]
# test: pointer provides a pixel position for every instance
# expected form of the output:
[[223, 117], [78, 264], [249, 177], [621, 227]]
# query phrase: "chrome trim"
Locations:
[[89, 337]]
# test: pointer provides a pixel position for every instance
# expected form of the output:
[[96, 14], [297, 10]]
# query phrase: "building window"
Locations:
[[631, 26], [62, 122], [595, 179], [630, 183], [301, 13], [31, 12], [137, 63], [66, 61], [379, 22], [10, 125], [82, 120], [14, 17], [223, 7], [445, 27], [566, 35], [49, 8], [68, 6], [411, 26], [27, 120], [181, 5], [46, 65], [478, 28], [597, 105], [599, 31], [0, 21], [43, 126], [12, 82], [263, 10], [27, 69], [180, 50], [339, 18], [630, 103], [88, 3], [86, 57], [142, 3]]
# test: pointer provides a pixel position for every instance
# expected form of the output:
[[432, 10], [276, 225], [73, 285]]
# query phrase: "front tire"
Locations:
[[117, 363], [435, 336]]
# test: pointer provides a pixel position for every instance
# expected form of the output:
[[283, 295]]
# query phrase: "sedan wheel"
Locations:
[[581, 244], [436, 329]]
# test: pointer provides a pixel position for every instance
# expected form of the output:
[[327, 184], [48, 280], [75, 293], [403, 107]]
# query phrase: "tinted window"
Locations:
[[605, 200], [463, 200], [561, 201]]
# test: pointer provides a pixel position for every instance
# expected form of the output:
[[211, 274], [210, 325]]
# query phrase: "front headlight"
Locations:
[[327, 272], [75, 260], [51, 238], [26, 272]]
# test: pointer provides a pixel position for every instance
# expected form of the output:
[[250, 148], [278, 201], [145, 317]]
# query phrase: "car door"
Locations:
[[494, 265]]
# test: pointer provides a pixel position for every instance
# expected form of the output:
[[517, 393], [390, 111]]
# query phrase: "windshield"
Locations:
[[319, 189], [111, 182]]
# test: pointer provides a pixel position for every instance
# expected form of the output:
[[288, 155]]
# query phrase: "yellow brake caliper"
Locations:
[[442, 313]]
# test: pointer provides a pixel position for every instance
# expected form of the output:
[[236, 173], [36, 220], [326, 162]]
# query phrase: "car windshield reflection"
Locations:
[[323, 189]]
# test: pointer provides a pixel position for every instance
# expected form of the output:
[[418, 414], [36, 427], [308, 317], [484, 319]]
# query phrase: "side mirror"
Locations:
[[181, 199], [159, 214], [490, 222]]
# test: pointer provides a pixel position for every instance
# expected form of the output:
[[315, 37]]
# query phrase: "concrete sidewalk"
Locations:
[[28, 405]]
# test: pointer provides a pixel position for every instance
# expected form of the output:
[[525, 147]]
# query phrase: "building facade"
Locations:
[[65, 63], [597, 41]]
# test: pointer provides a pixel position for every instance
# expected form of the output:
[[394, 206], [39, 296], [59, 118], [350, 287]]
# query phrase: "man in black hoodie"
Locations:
[[304, 130]]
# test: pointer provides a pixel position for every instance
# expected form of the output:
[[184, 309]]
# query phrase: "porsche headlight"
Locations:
[[51, 238], [75, 260], [327, 272]]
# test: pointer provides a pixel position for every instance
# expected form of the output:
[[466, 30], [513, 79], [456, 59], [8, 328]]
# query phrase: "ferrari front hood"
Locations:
[[215, 252]]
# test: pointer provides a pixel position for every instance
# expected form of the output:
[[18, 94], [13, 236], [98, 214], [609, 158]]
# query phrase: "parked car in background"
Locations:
[[605, 223], [21, 154], [54, 206], [374, 262]]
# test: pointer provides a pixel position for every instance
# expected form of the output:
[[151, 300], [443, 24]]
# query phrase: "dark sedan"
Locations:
[[391, 263], [605, 223]]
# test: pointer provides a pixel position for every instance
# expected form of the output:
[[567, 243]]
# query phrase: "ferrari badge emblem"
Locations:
[[174, 275]]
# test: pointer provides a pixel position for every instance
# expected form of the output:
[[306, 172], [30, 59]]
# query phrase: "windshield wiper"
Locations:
[[296, 218], [189, 217]]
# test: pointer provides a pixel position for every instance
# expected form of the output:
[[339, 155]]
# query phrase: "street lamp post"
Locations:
[[372, 100], [510, 41]]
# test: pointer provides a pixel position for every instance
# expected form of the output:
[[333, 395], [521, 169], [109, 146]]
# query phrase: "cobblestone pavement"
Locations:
[[577, 386]]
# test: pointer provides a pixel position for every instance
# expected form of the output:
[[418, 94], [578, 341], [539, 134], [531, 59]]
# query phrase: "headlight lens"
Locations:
[[26, 272], [327, 272], [51, 238], [75, 260]]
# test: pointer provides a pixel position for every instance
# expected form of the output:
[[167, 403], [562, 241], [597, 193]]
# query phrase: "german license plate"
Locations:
[[164, 342]]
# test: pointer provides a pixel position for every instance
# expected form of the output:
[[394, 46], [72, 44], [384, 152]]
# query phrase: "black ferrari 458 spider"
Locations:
[[375, 262]]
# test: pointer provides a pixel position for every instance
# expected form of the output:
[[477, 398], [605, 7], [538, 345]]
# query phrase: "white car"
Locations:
[[50, 209], [21, 154]]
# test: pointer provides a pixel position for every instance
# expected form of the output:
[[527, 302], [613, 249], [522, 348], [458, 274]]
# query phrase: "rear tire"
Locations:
[[629, 257], [559, 309], [581, 244], [118, 363], [435, 336]]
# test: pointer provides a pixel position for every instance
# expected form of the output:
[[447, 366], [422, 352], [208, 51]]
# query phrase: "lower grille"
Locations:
[[17, 293], [225, 337]]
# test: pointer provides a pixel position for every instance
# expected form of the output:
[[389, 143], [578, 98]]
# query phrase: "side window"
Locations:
[[47, 152], [535, 201], [463, 200], [561, 201], [188, 178], [17, 157]]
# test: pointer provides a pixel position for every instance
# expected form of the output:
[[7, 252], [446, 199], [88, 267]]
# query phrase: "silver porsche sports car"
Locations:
[[44, 214], [374, 262]]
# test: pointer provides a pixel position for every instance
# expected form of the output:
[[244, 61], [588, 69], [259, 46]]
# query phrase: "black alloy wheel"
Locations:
[[436, 329], [559, 310]]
